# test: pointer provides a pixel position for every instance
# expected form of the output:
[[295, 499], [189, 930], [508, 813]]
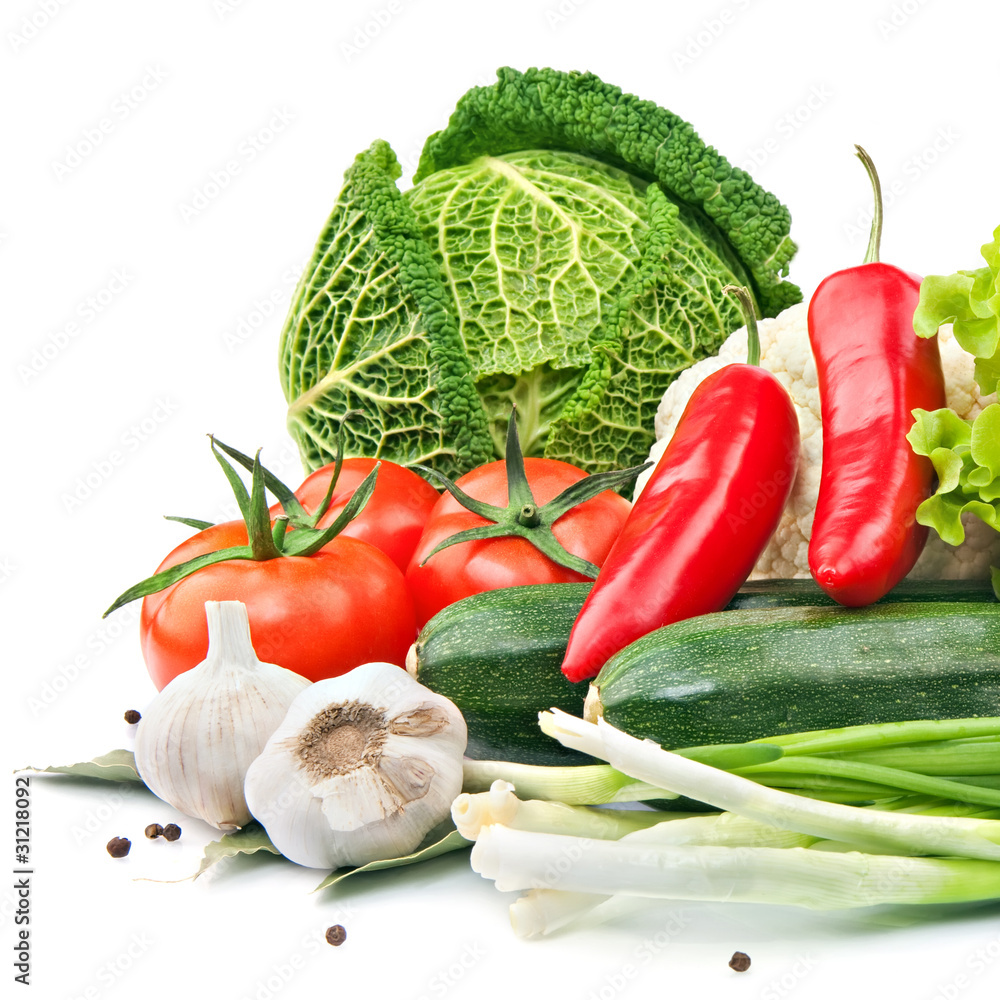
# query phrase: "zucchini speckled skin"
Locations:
[[748, 674], [498, 657], [807, 593]]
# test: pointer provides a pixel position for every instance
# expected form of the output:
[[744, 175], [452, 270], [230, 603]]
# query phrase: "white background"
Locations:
[[183, 341]]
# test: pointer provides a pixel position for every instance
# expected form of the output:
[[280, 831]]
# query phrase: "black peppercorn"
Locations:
[[154, 830], [740, 961], [132, 716], [171, 831], [118, 847], [336, 935]]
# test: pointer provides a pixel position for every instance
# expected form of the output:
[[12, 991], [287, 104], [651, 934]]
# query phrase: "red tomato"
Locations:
[[226, 535], [394, 515], [467, 568], [318, 615]]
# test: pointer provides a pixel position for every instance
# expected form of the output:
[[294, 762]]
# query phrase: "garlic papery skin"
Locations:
[[362, 768], [194, 743]]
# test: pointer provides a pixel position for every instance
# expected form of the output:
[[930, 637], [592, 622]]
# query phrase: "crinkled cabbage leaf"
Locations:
[[563, 249]]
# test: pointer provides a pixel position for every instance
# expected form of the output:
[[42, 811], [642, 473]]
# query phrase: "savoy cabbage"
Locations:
[[563, 247]]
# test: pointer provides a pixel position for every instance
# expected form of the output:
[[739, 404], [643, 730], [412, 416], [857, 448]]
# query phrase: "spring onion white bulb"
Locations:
[[472, 812], [519, 859], [542, 911]]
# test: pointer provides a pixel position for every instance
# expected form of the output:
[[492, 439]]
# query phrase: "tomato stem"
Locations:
[[518, 488], [278, 531], [529, 516]]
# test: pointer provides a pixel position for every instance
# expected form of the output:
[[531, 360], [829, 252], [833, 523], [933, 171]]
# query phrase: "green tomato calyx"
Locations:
[[264, 540], [523, 517]]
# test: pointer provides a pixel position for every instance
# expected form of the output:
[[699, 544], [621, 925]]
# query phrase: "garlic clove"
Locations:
[[379, 753], [351, 801], [405, 778], [422, 720], [411, 769], [196, 740]]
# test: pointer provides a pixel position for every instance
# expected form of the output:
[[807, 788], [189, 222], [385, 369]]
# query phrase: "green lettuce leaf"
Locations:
[[966, 458], [970, 300]]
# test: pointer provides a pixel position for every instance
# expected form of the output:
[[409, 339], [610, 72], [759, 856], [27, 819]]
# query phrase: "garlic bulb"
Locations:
[[363, 766], [196, 740]]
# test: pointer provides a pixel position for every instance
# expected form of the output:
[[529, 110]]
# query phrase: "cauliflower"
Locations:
[[784, 351]]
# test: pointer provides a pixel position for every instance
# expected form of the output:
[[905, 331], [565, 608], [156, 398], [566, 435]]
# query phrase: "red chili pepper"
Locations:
[[873, 370], [709, 509]]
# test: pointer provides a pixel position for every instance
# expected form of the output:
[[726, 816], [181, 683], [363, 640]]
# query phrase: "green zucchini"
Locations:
[[498, 656], [799, 593], [749, 674]]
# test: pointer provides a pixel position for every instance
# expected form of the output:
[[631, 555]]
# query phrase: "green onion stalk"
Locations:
[[599, 784], [887, 764], [545, 910], [929, 834], [524, 860], [902, 833]]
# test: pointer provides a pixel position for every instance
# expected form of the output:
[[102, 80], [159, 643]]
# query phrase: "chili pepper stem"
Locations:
[[875, 237], [742, 296]]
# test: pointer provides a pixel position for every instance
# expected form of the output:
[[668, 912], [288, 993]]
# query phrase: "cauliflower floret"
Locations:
[[785, 351]]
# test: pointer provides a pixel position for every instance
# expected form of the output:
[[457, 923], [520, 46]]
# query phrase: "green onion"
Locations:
[[598, 784], [542, 911], [823, 786], [961, 809], [902, 833], [472, 812], [890, 777], [982, 780], [519, 860], [884, 734], [547, 910], [945, 758], [591, 784]]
